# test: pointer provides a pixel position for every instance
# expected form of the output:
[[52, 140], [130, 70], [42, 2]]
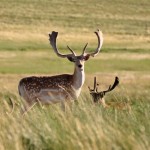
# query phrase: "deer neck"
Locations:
[[78, 78]]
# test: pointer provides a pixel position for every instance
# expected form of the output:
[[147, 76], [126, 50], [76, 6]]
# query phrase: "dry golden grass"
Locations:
[[76, 38]]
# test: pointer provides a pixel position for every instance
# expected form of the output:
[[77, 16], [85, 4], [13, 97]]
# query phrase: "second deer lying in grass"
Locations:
[[98, 97]]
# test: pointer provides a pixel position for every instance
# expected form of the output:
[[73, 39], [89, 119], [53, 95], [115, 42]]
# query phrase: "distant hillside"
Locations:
[[29, 21]]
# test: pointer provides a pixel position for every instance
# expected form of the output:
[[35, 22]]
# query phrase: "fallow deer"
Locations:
[[58, 88], [98, 97]]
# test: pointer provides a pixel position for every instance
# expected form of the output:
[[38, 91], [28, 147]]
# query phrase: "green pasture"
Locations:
[[24, 25], [46, 62], [25, 51]]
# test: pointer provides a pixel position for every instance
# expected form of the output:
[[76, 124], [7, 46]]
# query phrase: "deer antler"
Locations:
[[84, 49], [113, 86], [100, 42], [99, 95], [95, 88], [52, 39]]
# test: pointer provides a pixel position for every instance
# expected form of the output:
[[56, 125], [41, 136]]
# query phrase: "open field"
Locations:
[[26, 24], [25, 51], [86, 126]]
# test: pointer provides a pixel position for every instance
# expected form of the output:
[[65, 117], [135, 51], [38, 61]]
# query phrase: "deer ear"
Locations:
[[71, 59], [86, 57]]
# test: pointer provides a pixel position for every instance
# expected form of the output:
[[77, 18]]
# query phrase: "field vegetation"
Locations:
[[25, 51]]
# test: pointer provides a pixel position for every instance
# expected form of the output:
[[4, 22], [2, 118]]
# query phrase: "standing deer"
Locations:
[[98, 97], [58, 88]]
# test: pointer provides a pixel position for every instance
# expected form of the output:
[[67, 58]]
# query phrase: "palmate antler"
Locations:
[[113, 86], [99, 95], [53, 38]]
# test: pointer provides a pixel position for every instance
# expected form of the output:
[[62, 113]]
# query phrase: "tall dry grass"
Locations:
[[84, 126]]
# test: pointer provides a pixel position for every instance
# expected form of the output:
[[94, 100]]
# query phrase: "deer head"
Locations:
[[98, 96], [78, 60]]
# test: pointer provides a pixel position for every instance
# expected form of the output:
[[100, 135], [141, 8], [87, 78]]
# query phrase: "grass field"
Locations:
[[25, 51]]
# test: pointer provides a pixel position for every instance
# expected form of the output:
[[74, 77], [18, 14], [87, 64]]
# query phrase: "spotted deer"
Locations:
[[58, 88], [98, 97]]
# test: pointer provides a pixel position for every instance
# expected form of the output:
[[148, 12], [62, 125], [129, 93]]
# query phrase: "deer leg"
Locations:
[[27, 104], [40, 104], [66, 105], [63, 106], [27, 107], [70, 104]]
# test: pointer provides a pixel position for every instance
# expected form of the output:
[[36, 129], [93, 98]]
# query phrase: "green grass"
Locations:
[[46, 62]]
